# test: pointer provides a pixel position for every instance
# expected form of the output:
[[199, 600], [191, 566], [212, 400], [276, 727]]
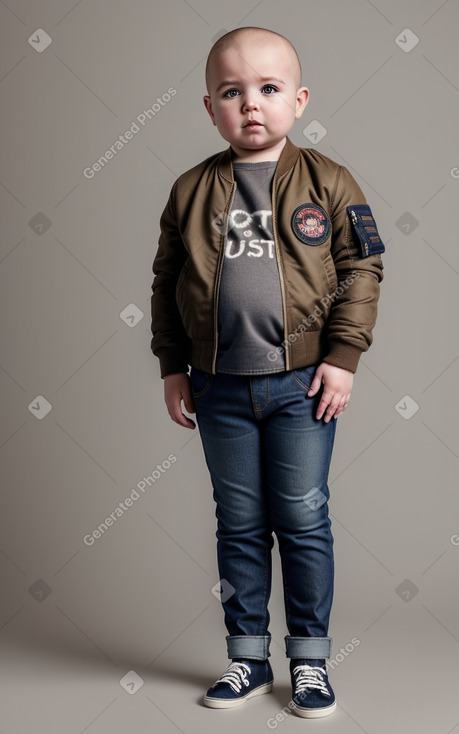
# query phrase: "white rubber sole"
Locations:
[[314, 713], [225, 703]]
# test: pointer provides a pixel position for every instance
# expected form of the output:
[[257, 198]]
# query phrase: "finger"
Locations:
[[341, 406], [316, 383], [323, 405], [182, 420], [189, 403], [331, 410], [175, 412], [186, 422]]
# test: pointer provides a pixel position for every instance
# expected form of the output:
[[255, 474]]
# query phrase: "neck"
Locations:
[[272, 153]]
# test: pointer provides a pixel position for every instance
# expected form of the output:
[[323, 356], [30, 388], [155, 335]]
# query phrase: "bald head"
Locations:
[[247, 40]]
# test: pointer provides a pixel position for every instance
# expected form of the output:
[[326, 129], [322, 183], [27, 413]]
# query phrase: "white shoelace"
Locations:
[[308, 678], [236, 676]]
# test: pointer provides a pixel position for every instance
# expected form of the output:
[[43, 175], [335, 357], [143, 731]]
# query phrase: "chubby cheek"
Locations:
[[225, 117], [284, 113]]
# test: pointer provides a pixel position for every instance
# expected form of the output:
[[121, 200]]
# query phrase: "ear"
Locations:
[[208, 106], [302, 98]]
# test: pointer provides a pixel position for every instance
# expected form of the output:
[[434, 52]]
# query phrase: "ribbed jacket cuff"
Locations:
[[343, 355], [170, 364]]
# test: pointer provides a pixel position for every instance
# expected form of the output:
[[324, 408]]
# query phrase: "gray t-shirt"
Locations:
[[250, 317]]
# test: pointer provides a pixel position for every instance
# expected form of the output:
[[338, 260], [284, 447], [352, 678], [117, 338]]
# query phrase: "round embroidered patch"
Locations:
[[311, 224]]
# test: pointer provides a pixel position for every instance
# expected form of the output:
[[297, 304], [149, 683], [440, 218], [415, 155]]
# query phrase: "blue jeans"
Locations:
[[268, 458]]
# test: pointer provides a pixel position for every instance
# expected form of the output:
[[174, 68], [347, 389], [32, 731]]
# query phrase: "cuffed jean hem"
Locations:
[[252, 647], [308, 647]]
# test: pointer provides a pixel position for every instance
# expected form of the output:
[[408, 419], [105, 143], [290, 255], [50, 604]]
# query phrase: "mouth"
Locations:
[[253, 123]]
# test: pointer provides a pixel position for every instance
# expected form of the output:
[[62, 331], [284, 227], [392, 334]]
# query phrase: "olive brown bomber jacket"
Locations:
[[328, 252]]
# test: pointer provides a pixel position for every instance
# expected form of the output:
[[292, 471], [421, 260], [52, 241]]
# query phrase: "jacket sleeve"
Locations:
[[354, 307], [169, 341]]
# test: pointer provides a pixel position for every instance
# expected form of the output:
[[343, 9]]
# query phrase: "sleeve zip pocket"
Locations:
[[364, 226]]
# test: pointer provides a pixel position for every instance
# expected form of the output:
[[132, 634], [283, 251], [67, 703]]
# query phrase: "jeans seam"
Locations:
[[265, 590], [288, 614], [254, 403], [199, 393], [300, 382]]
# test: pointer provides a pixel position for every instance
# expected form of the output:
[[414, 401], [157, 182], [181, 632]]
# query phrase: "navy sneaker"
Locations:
[[312, 694], [243, 679]]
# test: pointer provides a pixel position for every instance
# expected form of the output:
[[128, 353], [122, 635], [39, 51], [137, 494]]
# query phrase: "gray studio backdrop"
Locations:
[[90, 618]]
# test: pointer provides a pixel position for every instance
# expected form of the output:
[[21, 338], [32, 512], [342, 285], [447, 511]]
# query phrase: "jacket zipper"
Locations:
[[360, 234], [219, 277], [281, 279]]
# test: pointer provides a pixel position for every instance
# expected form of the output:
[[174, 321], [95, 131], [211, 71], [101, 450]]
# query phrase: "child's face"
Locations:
[[254, 96]]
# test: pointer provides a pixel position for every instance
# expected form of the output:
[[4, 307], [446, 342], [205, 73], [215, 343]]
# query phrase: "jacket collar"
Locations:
[[287, 159]]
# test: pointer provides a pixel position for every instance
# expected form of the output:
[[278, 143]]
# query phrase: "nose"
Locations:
[[250, 104]]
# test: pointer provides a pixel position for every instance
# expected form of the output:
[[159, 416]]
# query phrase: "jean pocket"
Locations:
[[304, 376], [200, 382]]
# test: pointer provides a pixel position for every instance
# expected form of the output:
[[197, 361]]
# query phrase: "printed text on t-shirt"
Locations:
[[240, 244]]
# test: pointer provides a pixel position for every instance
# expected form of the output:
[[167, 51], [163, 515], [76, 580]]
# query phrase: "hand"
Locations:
[[337, 390], [177, 387]]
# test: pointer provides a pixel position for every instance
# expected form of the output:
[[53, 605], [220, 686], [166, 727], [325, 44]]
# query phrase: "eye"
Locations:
[[269, 89], [231, 93]]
